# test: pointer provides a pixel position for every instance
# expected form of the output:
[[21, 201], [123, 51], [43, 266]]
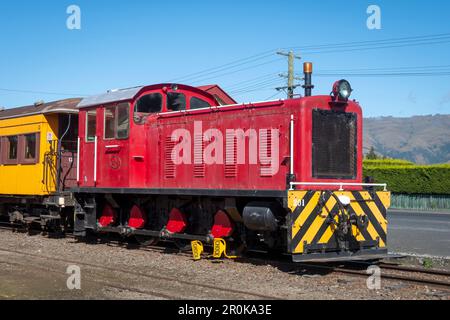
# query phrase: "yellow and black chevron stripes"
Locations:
[[313, 213]]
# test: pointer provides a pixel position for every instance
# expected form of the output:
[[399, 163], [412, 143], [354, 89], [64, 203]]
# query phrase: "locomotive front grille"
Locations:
[[334, 145]]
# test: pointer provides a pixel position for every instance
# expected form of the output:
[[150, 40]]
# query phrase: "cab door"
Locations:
[[113, 147], [88, 149], [144, 164]]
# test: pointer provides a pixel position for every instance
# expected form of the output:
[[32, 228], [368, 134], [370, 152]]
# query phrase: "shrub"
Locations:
[[412, 179], [387, 162]]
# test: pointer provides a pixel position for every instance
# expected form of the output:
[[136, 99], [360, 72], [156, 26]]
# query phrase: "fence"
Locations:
[[420, 202]]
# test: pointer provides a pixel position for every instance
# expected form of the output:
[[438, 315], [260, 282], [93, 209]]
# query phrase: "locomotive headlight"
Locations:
[[342, 90], [345, 200]]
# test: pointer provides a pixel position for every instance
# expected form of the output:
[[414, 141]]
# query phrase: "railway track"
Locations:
[[389, 271], [128, 272]]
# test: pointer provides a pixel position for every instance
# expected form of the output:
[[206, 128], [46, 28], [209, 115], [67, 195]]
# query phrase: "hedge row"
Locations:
[[412, 179], [387, 162]]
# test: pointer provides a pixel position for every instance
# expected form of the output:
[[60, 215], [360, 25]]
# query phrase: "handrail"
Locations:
[[291, 147], [95, 158], [78, 160], [340, 184]]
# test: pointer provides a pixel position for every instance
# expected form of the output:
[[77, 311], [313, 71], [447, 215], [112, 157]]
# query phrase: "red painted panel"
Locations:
[[146, 157]]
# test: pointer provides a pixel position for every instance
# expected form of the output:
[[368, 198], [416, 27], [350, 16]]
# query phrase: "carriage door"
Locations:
[[113, 147], [67, 136]]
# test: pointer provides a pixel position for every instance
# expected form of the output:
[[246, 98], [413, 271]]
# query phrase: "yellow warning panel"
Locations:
[[317, 215]]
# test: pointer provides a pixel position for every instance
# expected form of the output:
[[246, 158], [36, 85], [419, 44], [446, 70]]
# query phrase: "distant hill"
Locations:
[[421, 139]]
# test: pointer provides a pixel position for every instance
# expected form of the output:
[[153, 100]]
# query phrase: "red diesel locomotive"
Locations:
[[175, 162]]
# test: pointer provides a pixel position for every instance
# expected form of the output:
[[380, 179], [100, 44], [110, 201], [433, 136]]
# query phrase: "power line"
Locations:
[[273, 96], [223, 70], [238, 62], [42, 92], [250, 88], [246, 82], [271, 79], [376, 48], [254, 90], [393, 74], [416, 39], [326, 48], [235, 71], [407, 68]]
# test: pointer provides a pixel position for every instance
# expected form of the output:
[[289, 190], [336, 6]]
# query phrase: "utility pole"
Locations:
[[290, 75]]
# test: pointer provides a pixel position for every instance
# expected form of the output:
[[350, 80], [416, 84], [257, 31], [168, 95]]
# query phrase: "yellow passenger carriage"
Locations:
[[38, 152]]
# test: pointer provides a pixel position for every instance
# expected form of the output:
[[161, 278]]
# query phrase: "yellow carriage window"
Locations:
[[12, 147], [91, 125], [30, 146]]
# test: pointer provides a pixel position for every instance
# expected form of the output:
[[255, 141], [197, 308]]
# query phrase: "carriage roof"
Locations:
[[60, 106]]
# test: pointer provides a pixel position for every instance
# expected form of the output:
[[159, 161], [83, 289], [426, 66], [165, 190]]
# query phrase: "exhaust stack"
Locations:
[[307, 70]]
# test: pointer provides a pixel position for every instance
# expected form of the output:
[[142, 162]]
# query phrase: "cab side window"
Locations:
[[123, 120], [117, 121], [110, 120], [176, 101], [148, 104], [91, 125], [197, 103]]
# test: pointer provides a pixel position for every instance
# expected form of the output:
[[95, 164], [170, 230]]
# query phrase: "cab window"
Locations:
[[148, 104], [91, 125], [110, 119], [197, 103], [117, 123], [123, 120], [176, 101]]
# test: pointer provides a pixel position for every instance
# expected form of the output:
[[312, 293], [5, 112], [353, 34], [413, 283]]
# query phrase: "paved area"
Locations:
[[419, 233]]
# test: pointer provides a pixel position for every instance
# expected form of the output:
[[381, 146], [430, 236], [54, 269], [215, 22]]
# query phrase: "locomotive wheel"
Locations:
[[146, 240]]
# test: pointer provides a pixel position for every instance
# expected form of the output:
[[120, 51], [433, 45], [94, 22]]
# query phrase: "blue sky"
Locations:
[[128, 43]]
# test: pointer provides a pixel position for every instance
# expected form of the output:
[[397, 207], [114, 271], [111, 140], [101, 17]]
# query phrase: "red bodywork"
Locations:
[[143, 161]]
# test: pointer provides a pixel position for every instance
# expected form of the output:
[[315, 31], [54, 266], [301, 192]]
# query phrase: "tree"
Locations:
[[371, 155]]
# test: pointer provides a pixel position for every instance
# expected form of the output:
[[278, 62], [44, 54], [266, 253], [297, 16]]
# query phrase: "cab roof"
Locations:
[[122, 95]]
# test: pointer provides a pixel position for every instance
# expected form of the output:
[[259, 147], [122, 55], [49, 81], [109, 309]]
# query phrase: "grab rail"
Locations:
[[339, 184]]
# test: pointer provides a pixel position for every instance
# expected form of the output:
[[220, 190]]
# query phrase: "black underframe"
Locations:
[[186, 192]]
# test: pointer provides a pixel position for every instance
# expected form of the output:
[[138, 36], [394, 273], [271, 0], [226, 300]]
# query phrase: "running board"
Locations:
[[362, 255]]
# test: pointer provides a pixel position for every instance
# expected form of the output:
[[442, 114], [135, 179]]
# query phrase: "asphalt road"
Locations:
[[419, 233]]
